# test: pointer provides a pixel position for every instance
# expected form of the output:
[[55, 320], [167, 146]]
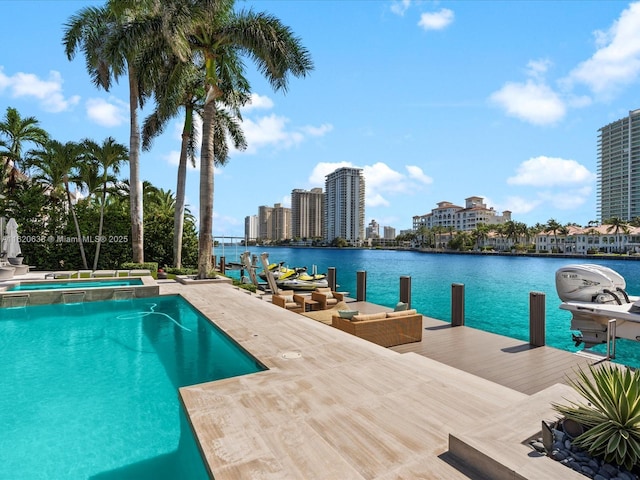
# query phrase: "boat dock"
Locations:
[[332, 405], [503, 360]]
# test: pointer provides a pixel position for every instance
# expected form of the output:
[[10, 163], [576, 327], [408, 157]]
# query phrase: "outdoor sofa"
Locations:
[[385, 328]]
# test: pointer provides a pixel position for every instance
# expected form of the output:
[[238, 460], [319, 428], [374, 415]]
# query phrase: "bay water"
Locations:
[[497, 287]]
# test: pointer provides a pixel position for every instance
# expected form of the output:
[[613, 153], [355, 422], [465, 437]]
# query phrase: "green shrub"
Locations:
[[182, 271], [152, 266], [247, 286], [611, 415]]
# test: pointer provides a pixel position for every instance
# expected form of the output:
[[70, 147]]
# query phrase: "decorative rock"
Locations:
[[625, 476], [567, 444], [587, 471], [538, 446], [557, 455], [600, 477]]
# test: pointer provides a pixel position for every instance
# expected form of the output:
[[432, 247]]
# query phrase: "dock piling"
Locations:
[[537, 319], [405, 290], [457, 304], [331, 278], [361, 286]]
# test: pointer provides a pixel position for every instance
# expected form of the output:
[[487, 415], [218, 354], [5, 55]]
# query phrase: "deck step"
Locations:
[[498, 447]]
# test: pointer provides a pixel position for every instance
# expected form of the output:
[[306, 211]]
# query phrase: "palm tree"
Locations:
[[552, 226], [108, 157], [55, 163], [480, 233], [180, 86], [100, 33], [17, 132], [617, 224], [218, 34]]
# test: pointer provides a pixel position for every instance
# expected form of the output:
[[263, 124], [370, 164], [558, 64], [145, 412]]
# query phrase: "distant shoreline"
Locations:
[[608, 256]]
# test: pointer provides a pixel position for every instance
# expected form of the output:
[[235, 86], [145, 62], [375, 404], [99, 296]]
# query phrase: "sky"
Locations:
[[434, 100]]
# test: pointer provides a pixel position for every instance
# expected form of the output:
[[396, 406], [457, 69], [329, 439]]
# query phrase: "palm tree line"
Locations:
[[187, 56], [55, 219], [515, 235]]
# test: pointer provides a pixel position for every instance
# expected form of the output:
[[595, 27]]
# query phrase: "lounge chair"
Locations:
[[326, 298], [139, 272], [61, 274], [287, 299], [103, 273]]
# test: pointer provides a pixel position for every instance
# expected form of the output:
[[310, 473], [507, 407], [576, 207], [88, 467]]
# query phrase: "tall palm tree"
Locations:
[[100, 33], [56, 165], [108, 157], [180, 86], [17, 131], [480, 233], [218, 34]]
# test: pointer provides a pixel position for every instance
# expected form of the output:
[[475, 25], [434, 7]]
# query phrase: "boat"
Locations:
[[595, 295], [296, 283], [279, 270]]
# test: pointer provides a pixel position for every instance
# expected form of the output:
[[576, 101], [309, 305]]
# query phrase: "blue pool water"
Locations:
[[90, 390], [496, 287], [58, 285]]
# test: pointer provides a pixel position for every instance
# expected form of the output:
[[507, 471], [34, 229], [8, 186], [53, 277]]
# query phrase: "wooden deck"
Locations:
[[502, 360]]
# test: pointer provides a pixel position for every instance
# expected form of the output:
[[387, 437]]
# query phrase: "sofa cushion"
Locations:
[[404, 313], [371, 316], [288, 298], [347, 313]]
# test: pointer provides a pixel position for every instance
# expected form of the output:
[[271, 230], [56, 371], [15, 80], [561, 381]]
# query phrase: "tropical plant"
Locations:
[[57, 164], [611, 415], [107, 157], [616, 224], [219, 35], [100, 33], [17, 131]]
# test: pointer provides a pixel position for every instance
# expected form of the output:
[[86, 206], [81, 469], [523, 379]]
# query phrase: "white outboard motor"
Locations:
[[590, 283]]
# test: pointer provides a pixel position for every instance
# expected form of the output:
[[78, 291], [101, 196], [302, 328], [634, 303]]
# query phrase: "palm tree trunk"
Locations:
[[205, 235], [178, 221], [135, 185], [75, 221], [104, 197]]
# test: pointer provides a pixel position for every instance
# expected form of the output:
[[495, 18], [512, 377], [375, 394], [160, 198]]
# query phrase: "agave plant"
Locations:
[[611, 416]]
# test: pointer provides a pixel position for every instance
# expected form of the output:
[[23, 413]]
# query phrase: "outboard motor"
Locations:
[[590, 283]]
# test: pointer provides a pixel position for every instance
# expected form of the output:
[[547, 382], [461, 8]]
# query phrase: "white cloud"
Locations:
[[258, 102], [519, 205], [436, 20], [545, 171], [531, 101], [317, 131], [566, 199], [617, 61], [538, 68], [107, 113], [417, 174], [381, 181], [399, 7], [48, 92], [323, 169]]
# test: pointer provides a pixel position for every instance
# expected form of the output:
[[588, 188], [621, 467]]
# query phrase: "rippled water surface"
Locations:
[[496, 287]]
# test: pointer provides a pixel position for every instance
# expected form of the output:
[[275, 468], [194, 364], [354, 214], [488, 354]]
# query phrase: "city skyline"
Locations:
[[434, 101]]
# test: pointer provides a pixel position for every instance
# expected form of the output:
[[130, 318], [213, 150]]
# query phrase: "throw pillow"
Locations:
[[401, 306], [347, 313]]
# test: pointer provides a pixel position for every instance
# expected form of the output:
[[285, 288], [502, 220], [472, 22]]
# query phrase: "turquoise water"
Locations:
[[90, 390], [57, 285], [496, 287]]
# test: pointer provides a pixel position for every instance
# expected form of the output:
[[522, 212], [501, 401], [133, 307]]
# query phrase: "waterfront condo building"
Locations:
[[619, 168], [307, 213], [373, 230], [251, 228], [274, 223], [457, 218], [344, 205]]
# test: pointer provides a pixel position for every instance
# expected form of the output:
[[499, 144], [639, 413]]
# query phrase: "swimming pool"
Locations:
[[65, 285], [90, 390]]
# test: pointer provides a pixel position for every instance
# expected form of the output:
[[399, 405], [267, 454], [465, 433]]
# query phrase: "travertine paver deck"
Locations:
[[345, 409]]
